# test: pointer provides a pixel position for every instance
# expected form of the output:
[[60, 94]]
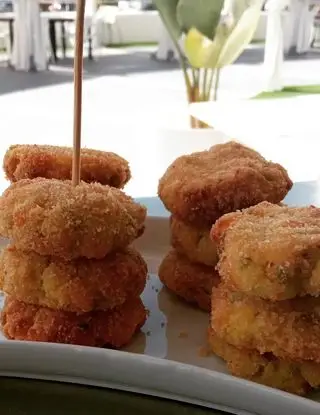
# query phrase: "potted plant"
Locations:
[[208, 35]]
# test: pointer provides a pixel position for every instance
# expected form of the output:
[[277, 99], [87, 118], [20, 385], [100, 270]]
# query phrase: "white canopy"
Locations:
[[29, 48]]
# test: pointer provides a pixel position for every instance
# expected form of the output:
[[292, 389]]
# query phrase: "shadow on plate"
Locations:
[[186, 332]]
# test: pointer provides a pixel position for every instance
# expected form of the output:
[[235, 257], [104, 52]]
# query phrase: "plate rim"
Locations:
[[118, 370]]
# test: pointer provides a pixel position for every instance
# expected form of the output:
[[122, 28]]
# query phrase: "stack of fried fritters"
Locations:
[[198, 189], [265, 319], [69, 274]]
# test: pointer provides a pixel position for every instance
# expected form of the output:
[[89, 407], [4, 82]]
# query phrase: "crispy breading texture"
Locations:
[[81, 285], [54, 162], [201, 187], [52, 217], [192, 282], [294, 377], [114, 328], [193, 242], [270, 251], [288, 329]]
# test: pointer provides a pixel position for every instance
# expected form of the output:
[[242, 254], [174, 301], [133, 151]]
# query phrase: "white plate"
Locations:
[[160, 362]]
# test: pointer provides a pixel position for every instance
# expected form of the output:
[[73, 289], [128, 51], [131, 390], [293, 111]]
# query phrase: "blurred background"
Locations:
[[263, 91]]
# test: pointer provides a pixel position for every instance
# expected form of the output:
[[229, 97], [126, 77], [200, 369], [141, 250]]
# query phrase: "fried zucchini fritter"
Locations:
[[54, 162], [200, 187], [288, 329], [193, 242], [270, 251], [294, 377], [114, 328], [81, 285], [52, 217], [192, 282]]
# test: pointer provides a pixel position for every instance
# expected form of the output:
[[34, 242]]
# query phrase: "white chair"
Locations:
[[107, 19], [89, 33], [316, 31], [89, 27]]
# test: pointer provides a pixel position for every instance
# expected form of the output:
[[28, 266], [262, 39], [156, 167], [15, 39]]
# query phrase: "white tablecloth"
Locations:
[[127, 25]]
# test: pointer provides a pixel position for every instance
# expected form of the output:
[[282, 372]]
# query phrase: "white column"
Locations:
[[273, 55], [29, 51], [20, 58], [39, 50]]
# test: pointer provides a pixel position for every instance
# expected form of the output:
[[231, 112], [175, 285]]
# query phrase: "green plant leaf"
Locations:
[[167, 10], [241, 35], [204, 15], [203, 52]]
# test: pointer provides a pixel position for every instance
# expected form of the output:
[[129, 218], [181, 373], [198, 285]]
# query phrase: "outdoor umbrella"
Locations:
[[29, 49], [273, 55]]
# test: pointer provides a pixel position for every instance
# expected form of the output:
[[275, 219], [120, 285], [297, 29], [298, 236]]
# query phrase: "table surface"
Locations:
[[71, 15], [284, 130], [276, 117], [54, 15]]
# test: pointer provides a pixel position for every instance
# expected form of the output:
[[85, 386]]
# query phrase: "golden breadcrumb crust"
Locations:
[[54, 162], [201, 187], [294, 377], [52, 217], [289, 329], [114, 328], [193, 242], [192, 282], [270, 251], [81, 285]]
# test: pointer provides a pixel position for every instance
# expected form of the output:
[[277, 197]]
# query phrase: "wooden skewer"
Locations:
[[78, 71]]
